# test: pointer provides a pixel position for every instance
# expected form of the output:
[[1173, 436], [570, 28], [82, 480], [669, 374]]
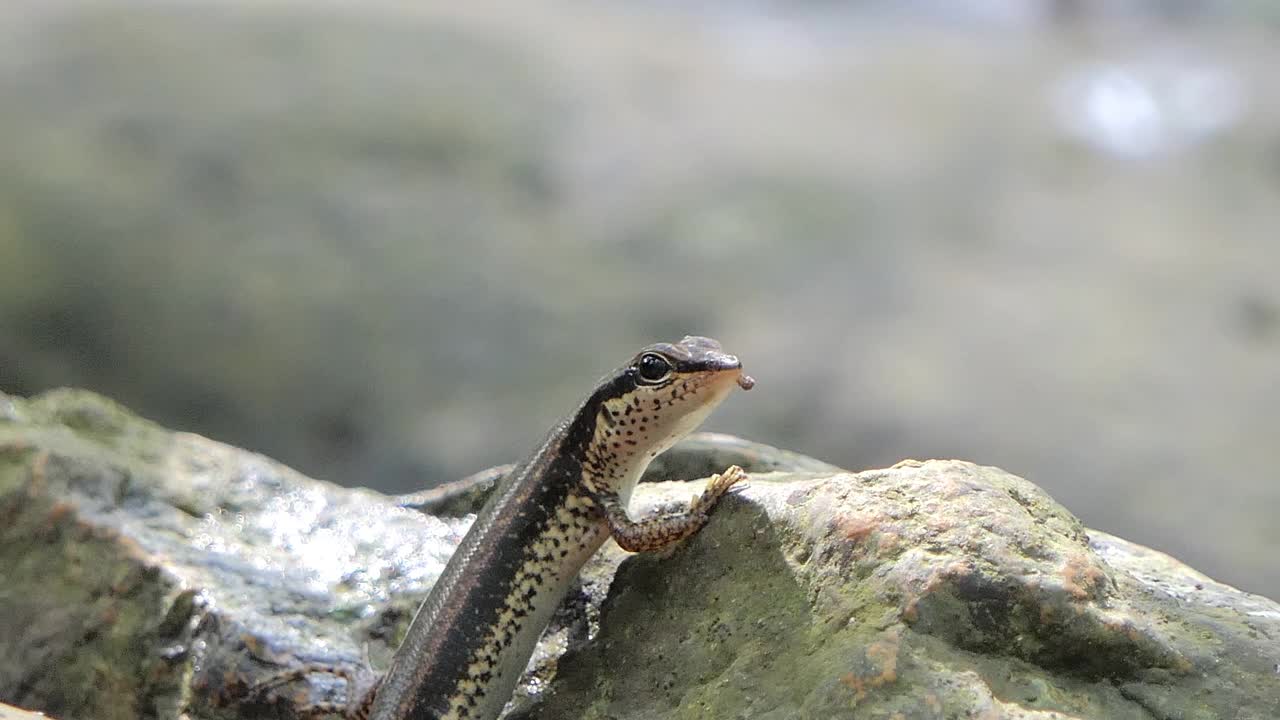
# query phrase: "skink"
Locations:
[[472, 637]]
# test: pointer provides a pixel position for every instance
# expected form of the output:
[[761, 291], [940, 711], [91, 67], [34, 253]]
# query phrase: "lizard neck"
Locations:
[[472, 638]]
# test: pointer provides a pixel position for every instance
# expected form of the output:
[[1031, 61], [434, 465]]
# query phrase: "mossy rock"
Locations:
[[153, 574]]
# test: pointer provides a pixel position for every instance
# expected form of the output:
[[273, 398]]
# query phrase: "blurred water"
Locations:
[[1143, 109], [391, 244]]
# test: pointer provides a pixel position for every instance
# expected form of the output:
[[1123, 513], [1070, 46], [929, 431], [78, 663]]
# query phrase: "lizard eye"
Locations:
[[653, 368]]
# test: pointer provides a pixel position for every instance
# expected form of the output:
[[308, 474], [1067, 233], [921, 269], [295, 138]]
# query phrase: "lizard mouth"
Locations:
[[729, 363], [718, 383]]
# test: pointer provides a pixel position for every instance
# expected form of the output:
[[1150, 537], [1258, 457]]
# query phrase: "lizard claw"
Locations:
[[727, 479], [719, 484]]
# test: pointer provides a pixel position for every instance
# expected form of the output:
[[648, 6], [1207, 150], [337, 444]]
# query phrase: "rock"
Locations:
[[151, 573], [937, 590], [698, 455], [156, 574]]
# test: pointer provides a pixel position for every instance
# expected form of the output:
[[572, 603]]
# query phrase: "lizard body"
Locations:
[[472, 637]]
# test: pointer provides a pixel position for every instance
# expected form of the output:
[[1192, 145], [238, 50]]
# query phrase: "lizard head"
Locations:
[[661, 395]]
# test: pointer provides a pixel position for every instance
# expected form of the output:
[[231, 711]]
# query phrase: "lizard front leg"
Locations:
[[657, 533]]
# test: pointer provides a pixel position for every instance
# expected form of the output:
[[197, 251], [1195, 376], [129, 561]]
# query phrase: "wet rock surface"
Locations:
[[151, 574]]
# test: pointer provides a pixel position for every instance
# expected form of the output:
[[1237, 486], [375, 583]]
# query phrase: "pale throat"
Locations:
[[630, 433]]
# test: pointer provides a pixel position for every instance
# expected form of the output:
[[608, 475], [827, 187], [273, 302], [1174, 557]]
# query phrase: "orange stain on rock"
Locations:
[[856, 527], [881, 660], [1081, 578]]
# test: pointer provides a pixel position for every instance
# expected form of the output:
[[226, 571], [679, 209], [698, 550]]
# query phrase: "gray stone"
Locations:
[[943, 590], [151, 574]]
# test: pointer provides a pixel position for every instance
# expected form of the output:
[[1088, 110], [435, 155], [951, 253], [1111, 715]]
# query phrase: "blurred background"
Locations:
[[390, 245]]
